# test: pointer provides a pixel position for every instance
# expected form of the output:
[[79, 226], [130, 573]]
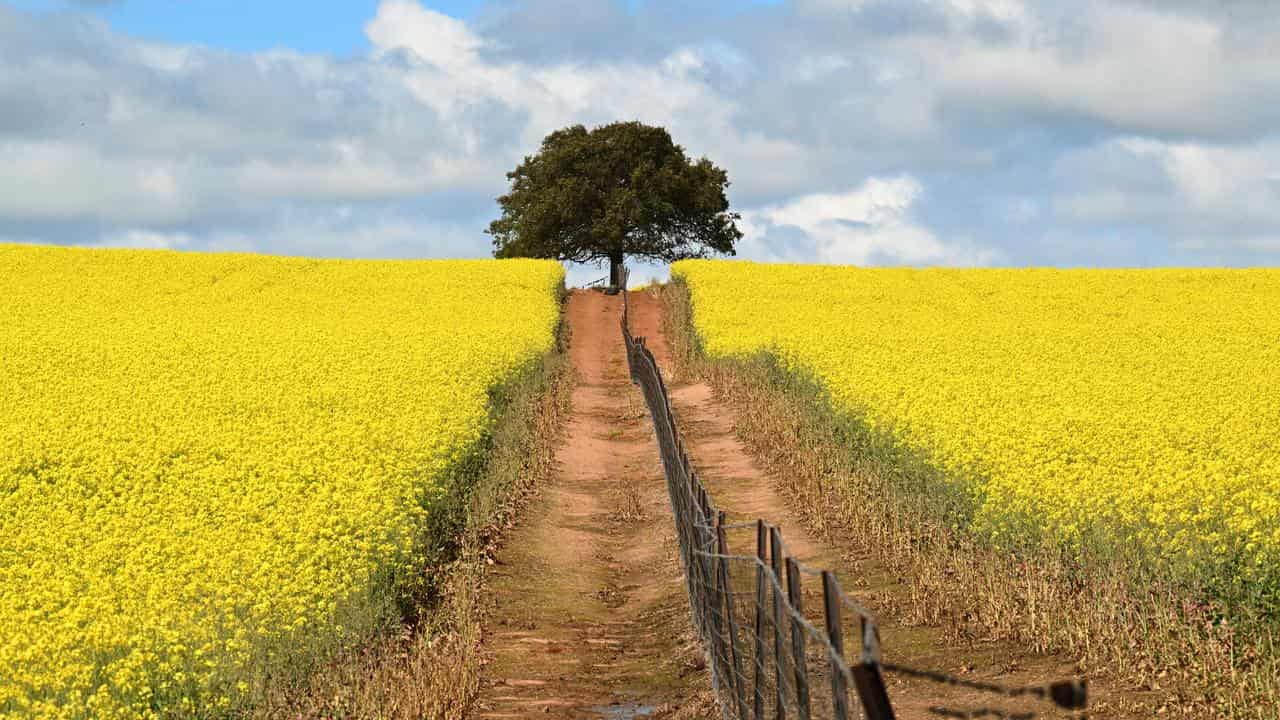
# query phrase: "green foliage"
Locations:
[[620, 189]]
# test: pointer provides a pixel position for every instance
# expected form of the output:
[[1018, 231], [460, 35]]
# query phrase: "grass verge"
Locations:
[[1176, 645], [426, 664]]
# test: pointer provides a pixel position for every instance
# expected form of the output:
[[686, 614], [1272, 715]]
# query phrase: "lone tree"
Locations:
[[617, 190]]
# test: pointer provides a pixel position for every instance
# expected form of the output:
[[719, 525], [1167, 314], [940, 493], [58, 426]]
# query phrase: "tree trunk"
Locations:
[[617, 274]]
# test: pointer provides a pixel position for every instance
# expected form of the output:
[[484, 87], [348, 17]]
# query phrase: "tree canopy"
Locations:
[[623, 189]]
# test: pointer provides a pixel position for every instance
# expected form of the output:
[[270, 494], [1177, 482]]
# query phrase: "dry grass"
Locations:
[[1178, 650], [627, 507], [429, 666]]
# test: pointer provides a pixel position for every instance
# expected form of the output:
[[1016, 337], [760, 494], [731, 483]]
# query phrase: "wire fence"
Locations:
[[782, 639]]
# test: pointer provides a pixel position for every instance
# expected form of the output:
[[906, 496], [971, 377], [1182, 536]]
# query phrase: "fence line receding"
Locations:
[[782, 639]]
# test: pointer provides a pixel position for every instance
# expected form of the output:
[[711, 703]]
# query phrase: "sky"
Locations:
[[1126, 133]]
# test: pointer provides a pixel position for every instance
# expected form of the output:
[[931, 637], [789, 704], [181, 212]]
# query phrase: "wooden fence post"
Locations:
[[779, 646], [796, 597], [726, 591], [866, 674], [759, 626], [831, 608]]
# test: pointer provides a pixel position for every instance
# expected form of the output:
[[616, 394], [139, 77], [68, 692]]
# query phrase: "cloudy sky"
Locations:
[[919, 132]]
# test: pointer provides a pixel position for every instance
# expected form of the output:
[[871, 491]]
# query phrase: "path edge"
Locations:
[[430, 667]]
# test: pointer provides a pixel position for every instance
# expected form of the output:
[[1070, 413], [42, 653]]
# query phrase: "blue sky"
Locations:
[[333, 27], [918, 132], [325, 27]]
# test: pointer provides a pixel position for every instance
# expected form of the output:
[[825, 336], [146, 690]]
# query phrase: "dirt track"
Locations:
[[589, 615]]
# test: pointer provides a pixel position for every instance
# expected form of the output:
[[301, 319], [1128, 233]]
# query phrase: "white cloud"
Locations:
[[434, 37], [1007, 10], [1145, 68], [46, 179], [1104, 117], [1185, 189], [339, 232], [145, 240], [1225, 179], [868, 225], [181, 132], [669, 92]]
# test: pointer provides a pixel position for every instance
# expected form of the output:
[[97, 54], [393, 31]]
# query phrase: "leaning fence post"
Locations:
[[707, 533], [687, 528], [713, 640], [759, 628], [722, 580], [779, 672], [875, 699], [795, 596], [831, 607], [704, 536]]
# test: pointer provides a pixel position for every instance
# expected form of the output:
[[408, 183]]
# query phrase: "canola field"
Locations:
[[1138, 410], [212, 465]]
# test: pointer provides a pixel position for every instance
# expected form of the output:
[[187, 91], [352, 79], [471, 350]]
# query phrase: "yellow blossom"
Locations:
[[211, 460], [1139, 409]]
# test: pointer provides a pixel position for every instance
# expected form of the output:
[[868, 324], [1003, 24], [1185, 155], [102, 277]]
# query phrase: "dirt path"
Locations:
[[590, 616]]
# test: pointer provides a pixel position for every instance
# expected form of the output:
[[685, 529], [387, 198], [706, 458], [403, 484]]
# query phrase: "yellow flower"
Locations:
[[208, 460], [1138, 408]]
